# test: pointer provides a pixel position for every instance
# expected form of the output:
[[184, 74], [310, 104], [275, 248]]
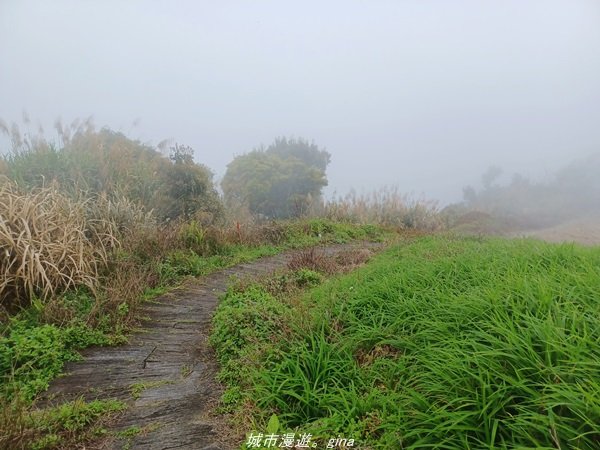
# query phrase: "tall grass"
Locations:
[[447, 344], [48, 243], [387, 206]]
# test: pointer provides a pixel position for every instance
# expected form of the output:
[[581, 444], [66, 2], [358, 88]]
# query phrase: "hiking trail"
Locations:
[[166, 372]]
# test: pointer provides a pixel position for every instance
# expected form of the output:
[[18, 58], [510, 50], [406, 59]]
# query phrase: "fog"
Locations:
[[424, 95]]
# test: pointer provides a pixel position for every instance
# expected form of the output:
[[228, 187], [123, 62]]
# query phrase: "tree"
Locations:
[[278, 182], [490, 176], [301, 149], [190, 188]]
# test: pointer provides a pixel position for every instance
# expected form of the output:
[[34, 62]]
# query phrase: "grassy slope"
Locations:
[[442, 343]]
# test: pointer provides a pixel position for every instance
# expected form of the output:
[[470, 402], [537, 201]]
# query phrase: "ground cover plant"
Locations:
[[443, 342]]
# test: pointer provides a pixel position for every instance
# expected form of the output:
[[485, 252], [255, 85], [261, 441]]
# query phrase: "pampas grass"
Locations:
[[48, 244], [386, 206]]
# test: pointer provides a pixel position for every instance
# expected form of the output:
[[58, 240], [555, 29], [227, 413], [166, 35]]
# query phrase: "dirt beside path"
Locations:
[[166, 373]]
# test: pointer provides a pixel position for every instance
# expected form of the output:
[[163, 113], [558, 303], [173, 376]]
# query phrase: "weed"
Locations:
[[313, 259], [31, 357], [128, 434], [305, 278], [136, 389], [186, 370]]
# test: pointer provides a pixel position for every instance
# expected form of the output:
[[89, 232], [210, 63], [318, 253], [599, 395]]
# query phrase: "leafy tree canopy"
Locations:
[[189, 188], [279, 181]]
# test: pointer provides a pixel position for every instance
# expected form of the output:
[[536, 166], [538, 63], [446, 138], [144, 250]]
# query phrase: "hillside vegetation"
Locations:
[[92, 226], [572, 192], [448, 343]]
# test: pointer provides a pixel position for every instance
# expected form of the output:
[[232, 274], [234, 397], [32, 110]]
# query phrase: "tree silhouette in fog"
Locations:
[[280, 181]]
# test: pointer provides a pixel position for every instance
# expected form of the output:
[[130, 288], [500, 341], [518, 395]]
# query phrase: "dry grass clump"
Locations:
[[212, 239], [313, 259], [129, 216], [386, 207], [366, 357], [48, 243], [303, 261], [274, 233], [352, 258], [124, 285], [479, 223], [319, 261]]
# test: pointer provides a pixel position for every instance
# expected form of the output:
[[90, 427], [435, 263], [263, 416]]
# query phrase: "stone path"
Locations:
[[166, 373]]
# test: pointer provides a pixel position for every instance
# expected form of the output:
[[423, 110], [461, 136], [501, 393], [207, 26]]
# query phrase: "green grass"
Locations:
[[446, 343]]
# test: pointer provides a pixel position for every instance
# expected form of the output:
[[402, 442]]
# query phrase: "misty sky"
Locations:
[[420, 94]]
